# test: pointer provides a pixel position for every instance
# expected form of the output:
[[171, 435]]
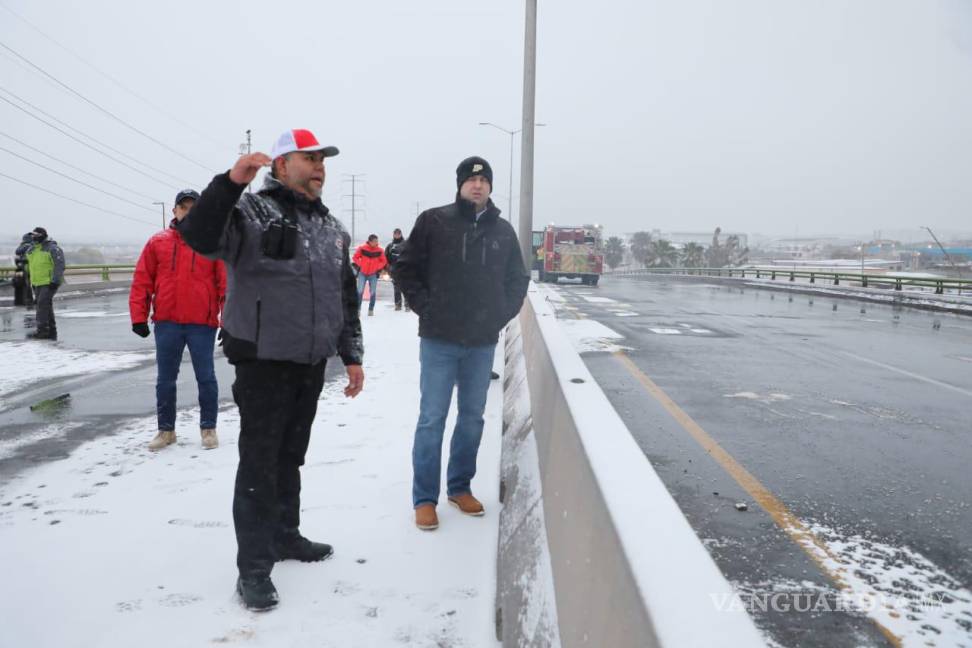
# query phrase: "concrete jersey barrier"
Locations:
[[585, 514]]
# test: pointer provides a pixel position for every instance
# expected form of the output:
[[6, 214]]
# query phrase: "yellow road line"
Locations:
[[784, 518]]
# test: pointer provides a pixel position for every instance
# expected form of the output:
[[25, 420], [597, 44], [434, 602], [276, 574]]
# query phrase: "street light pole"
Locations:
[[512, 134], [529, 118], [163, 212]]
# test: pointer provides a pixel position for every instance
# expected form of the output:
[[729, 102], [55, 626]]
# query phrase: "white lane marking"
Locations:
[[600, 300], [665, 331], [910, 374]]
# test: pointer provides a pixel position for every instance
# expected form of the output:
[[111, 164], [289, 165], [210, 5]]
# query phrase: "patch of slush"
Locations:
[[25, 363], [588, 336]]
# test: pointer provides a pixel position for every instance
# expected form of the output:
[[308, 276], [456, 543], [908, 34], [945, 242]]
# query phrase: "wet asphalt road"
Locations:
[[856, 416], [101, 401]]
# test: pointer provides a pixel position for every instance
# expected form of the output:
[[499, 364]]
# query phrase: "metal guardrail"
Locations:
[[866, 280], [105, 270]]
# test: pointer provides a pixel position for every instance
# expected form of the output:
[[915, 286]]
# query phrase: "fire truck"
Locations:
[[572, 252]]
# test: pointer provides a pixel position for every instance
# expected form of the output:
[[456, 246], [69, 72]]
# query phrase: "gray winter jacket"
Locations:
[[303, 309]]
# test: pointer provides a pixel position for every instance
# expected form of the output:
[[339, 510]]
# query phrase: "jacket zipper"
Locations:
[[175, 251], [463, 247], [310, 271], [484, 249], [257, 340]]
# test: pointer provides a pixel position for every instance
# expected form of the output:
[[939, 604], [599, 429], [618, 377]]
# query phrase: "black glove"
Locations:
[[141, 329], [54, 285]]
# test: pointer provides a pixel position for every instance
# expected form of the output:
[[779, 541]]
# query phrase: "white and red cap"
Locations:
[[300, 139]]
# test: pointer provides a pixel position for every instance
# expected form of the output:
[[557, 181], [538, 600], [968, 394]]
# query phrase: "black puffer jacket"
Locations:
[[464, 278]]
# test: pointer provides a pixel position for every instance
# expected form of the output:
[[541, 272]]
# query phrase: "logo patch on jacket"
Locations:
[[339, 243], [496, 245]]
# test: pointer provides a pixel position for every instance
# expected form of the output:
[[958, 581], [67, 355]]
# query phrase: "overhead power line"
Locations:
[[93, 148], [80, 202], [92, 138], [76, 168], [72, 179], [115, 81], [101, 108]]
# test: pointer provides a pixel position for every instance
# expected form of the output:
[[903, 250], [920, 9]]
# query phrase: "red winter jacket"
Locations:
[[177, 284], [370, 258]]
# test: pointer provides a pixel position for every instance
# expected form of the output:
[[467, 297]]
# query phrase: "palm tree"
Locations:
[[640, 245], [693, 255], [614, 252], [662, 254]]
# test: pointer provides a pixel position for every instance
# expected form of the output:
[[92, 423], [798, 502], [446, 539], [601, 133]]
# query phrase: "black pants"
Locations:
[[23, 295], [277, 401], [398, 293], [45, 310]]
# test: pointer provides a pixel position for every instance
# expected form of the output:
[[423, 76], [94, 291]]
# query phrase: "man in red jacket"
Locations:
[[369, 259], [185, 293]]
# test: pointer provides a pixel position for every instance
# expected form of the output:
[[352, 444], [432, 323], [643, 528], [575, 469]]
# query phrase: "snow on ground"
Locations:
[[118, 546], [903, 590], [26, 363]]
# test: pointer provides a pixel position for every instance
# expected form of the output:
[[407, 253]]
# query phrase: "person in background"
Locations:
[[23, 295], [392, 251], [370, 260], [184, 293], [45, 265]]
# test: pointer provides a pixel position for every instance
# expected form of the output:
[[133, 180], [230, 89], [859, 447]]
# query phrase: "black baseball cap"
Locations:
[[186, 194]]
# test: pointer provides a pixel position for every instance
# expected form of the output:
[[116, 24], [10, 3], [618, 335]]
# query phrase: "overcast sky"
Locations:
[[777, 117]]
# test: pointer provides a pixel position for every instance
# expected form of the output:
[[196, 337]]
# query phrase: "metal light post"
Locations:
[[512, 134], [163, 212], [529, 118]]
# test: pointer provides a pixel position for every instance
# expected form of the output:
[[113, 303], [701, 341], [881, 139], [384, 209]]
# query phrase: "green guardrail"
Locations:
[[105, 270], [866, 280]]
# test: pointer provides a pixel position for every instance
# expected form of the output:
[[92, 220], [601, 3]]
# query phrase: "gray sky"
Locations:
[[764, 116]]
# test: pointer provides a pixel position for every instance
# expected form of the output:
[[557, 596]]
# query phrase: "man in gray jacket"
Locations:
[[291, 303]]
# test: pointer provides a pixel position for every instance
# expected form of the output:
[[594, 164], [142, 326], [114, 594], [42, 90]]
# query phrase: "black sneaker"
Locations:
[[257, 593], [493, 375], [293, 546], [41, 335]]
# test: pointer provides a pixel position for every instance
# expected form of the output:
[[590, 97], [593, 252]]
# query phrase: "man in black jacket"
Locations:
[[23, 294], [291, 303], [462, 273], [392, 251]]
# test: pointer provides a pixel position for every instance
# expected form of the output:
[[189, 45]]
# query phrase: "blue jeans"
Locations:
[[171, 339], [372, 281], [446, 366]]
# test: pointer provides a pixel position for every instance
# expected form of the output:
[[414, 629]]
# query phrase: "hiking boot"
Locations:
[[425, 517], [209, 439], [41, 335], [398, 307], [290, 545], [493, 375], [257, 593], [371, 312], [467, 504], [162, 439]]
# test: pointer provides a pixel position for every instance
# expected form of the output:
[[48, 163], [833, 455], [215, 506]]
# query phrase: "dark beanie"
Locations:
[[40, 233], [473, 166]]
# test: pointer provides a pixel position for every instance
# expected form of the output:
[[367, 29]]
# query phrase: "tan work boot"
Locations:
[[398, 307], [467, 504], [209, 439], [162, 439], [425, 517]]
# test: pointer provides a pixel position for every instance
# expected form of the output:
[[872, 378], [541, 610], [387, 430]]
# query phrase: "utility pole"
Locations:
[[529, 118], [163, 212], [354, 202], [947, 257]]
